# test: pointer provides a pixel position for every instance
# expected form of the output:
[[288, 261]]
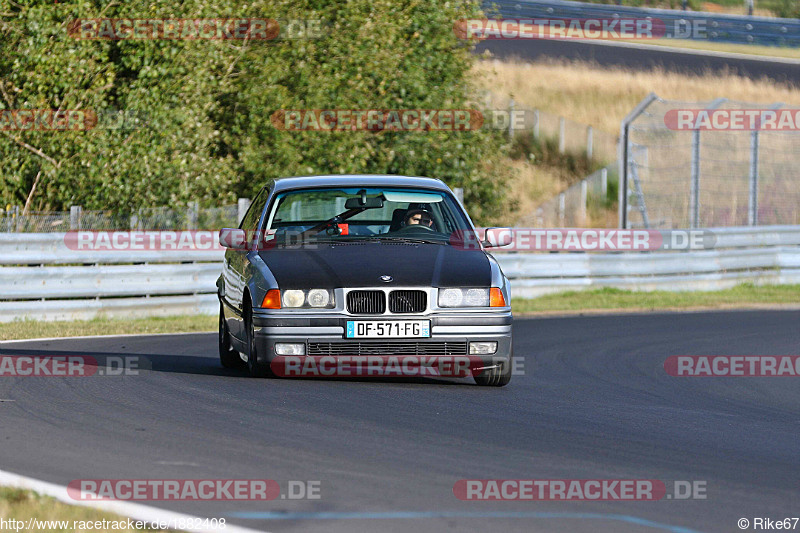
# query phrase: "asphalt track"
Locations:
[[638, 57], [594, 403]]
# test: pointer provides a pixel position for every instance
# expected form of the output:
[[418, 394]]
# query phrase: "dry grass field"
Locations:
[[601, 97]]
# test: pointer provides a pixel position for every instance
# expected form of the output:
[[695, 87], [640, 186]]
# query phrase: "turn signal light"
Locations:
[[272, 300], [496, 298]]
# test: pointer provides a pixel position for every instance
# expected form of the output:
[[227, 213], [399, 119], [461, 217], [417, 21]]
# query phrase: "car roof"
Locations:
[[358, 180]]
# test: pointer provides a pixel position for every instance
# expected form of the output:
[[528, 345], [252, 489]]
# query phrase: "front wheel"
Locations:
[[228, 357], [256, 369], [498, 376]]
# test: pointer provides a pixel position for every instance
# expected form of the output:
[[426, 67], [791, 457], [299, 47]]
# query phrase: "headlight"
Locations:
[[477, 298], [450, 297], [293, 298], [471, 298], [316, 298]]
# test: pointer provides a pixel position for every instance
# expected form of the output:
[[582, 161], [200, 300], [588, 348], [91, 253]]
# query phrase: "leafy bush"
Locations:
[[207, 103], [574, 166], [788, 9]]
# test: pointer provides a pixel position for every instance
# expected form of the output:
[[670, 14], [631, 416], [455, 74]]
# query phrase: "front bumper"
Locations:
[[453, 328]]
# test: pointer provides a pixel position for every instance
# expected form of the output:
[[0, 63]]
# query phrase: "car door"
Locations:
[[235, 267]]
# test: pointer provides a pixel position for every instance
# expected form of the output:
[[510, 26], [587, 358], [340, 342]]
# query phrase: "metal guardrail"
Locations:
[[739, 237], [103, 281], [81, 309], [679, 24], [535, 275], [33, 285], [51, 249]]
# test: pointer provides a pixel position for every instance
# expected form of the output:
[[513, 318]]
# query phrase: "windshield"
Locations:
[[353, 214]]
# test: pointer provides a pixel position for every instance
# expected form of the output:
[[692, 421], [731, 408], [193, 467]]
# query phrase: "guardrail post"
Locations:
[[511, 119], [604, 183], [694, 186], [242, 206], [75, 217], [15, 220], [584, 200], [562, 133], [192, 213], [624, 156], [589, 142], [752, 208], [535, 123], [624, 151], [694, 189]]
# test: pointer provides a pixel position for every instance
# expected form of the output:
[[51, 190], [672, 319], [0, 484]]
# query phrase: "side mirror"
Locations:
[[233, 238], [497, 237]]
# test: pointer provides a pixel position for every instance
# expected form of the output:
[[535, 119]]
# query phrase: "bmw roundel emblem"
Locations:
[[386, 278]]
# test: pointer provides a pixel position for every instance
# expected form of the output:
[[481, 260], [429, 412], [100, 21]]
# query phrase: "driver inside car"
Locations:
[[418, 216]]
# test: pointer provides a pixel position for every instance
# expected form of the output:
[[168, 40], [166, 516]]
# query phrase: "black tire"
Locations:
[[256, 369], [495, 377], [228, 357]]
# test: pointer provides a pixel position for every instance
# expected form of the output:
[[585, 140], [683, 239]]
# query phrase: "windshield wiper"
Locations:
[[415, 240]]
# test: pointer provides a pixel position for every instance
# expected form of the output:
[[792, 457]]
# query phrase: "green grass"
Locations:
[[731, 48], [745, 295], [29, 329], [22, 505], [779, 8]]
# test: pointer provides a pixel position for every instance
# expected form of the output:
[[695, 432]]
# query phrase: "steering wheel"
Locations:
[[414, 227]]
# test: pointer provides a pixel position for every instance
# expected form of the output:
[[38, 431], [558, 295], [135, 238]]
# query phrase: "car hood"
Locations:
[[362, 265]]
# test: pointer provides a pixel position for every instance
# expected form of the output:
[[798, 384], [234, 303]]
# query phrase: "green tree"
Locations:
[[207, 103]]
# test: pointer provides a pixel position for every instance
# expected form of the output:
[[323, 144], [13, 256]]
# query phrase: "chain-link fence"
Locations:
[[577, 138], [12, 219], [710, 164], [573, 137], [585, 204]]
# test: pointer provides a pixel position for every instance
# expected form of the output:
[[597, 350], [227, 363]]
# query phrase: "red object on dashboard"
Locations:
[[345, 229]]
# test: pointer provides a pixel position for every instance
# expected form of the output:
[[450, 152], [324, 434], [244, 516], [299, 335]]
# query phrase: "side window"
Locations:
[[250, 220]]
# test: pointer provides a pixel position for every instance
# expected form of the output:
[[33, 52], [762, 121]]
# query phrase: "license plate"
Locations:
[[384, 329]]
